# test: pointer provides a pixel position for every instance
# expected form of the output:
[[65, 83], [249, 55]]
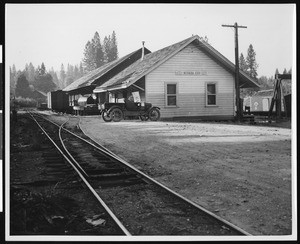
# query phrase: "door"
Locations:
[[265, 104]]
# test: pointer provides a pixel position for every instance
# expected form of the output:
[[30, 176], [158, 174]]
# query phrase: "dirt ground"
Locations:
[[46, 199], [239, 172]]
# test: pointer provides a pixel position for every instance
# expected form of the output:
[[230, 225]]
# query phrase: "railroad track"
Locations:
[[138, 204]]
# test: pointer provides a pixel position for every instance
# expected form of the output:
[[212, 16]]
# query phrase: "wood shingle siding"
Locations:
[[191, 100]]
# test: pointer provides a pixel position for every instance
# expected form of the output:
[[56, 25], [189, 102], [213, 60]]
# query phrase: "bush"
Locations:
[[25, 102]]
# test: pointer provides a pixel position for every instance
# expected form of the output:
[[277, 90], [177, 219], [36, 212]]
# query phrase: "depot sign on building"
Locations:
[[203, 72]]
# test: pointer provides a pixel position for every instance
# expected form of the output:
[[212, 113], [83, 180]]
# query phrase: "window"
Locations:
[[171, 94], [70, 101], [211, 94]]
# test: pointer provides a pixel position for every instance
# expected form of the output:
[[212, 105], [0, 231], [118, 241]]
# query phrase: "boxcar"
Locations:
[[58, 101]]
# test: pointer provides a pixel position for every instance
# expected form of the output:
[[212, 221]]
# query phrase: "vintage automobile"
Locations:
[[118, 111]]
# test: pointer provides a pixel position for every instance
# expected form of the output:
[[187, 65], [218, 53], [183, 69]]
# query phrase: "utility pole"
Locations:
[[239, 112]]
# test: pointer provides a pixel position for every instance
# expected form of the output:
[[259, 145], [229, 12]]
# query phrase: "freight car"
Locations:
[[58, 101]]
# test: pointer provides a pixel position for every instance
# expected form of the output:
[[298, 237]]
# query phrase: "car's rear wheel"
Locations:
[[106, 117], [116, 114], [154, 114]]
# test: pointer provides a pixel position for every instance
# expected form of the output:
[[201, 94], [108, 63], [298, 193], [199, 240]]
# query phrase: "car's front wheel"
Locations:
[[106, 117], [154, 114]]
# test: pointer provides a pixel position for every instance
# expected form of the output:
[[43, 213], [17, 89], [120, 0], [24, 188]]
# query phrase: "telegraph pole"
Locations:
[[239, 112]]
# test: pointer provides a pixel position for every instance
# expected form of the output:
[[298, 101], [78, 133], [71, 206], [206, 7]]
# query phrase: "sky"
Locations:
[[57, 33]]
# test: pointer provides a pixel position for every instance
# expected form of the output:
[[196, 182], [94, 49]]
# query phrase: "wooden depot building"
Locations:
[[187, 79]]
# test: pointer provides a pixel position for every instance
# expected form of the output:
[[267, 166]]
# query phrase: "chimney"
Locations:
[[143, 50]]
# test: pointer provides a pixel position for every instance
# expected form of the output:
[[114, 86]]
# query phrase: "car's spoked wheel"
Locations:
[[106, 117], [116, 114], [154, 114]]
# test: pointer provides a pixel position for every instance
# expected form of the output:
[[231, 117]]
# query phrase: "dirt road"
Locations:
[[241, 173]]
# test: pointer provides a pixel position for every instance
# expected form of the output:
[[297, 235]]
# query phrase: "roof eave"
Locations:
[[109, 88], [250, 83], [97, 76]]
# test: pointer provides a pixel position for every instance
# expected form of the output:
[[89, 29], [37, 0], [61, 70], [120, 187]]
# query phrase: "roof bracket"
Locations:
[[138, 87]]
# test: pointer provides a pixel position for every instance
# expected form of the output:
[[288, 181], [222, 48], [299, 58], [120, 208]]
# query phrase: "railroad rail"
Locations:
[[132, 198], [82, 174]]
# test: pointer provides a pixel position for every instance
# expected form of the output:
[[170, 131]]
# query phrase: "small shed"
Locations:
[[39, 96], [260, 101]]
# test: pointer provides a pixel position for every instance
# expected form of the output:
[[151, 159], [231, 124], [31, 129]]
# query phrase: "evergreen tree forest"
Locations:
[[41, 79], [95, 54]]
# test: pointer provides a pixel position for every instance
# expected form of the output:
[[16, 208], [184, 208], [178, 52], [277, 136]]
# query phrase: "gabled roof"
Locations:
[[263, 93], [92, 76], [152, 60], [269, 93], [40, 92]]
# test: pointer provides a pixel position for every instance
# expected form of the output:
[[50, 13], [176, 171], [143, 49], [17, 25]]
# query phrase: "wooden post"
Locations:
[[278, 101], [239, 112], [277, 95]]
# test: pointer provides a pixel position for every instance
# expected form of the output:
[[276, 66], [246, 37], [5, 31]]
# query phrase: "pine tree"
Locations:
[[113, 52], [271, 82], [55, 78], [106, 48], [37, 71], [44, 82], [13, 76], [70, 75], [70, 71], [81, 70], [110, 47], [76, 73], [243, 64], [89, 57], [62, 76], [26, 70], [251, 62], [31, 72], [95, 54], [42, 69], [99, 55], [22, 86]]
